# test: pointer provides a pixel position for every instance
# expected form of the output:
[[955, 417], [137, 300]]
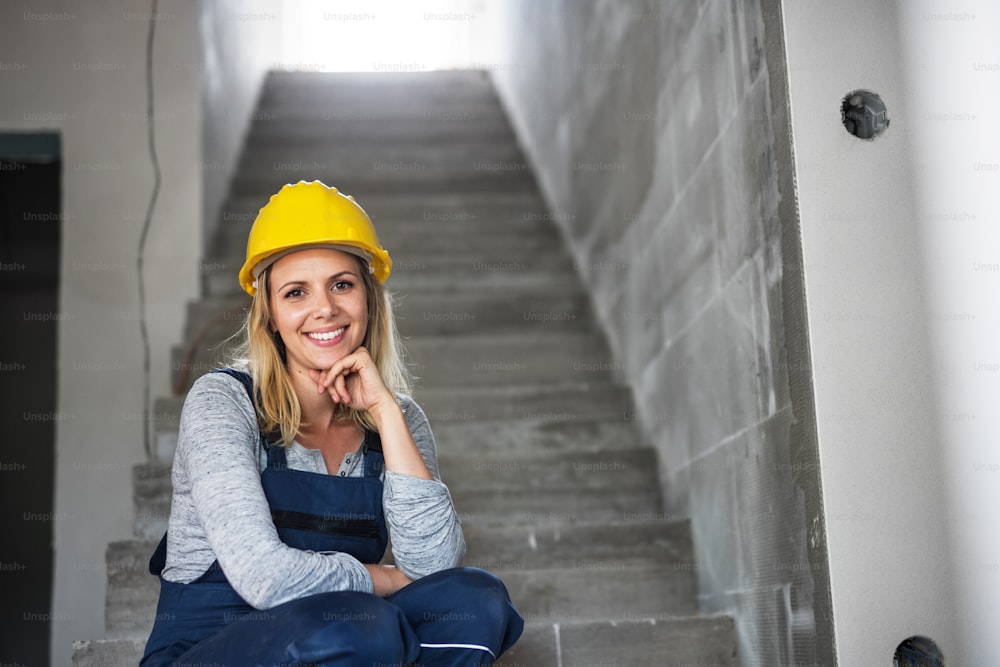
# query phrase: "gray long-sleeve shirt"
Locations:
[[219, 511]]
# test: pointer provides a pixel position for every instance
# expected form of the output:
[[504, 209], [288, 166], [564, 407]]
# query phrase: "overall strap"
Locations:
[[374, 461], [242, 376], [276, 458]]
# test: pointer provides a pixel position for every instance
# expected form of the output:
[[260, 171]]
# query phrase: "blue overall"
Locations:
[[461, 616]]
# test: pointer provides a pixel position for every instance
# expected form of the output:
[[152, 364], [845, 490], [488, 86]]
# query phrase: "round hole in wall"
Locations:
[[918, 651], [864, 114]]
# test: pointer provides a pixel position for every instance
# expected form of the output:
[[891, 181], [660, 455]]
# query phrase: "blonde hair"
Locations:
[[263, 354]]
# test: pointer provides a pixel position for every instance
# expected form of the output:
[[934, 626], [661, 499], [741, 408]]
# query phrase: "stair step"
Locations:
[[556, 432], [130, 600], [213, 320], [478, 211], [460, 209], [108, 652], [492, 506], [489, 311], [697, 641], [501, 547], [151, 491], [335, 104], [311, 87], [290, 129], [468, 155], [494, 176], [579, 400], [612, 593], [528, 471], [531, 487], [495, 359]]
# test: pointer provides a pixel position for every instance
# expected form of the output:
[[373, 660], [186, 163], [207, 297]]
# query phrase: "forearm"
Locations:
[[386, 579], [426, 533], [398, 448]]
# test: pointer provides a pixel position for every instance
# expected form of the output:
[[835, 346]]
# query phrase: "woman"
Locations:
[[295, 467]]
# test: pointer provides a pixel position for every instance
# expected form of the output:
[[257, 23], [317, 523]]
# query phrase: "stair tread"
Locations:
[[636, 642]]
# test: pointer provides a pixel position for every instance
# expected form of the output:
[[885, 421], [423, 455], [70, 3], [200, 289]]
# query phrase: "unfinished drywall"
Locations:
[[650, 127]]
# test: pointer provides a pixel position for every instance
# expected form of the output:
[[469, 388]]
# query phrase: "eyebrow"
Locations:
[[303, 282]]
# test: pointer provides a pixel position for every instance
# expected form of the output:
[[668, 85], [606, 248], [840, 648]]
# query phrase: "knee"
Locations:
[[481, 593], [480, 597], [349, 625]]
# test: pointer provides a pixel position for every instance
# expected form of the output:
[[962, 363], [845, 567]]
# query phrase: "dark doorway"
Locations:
[[30, 239]]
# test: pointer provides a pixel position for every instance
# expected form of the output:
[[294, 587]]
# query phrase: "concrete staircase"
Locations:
[[536, 440]]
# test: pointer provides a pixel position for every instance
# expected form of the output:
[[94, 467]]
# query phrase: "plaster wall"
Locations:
[[951, 66], [651, 126], [880, 454], [79, 69]]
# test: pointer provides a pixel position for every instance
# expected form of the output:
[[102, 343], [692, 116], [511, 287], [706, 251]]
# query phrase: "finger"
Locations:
[[340, 384], [317, 376], [320, 377]]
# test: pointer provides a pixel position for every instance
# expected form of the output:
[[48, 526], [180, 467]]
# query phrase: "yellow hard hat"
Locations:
[[311, 215]]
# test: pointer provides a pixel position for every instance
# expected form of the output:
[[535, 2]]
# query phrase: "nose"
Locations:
[[326, 307]]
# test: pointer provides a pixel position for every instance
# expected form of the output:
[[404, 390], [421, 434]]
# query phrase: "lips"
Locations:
[[328, 337]]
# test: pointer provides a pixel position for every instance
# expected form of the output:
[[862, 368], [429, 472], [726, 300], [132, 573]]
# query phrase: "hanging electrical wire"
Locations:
[[151, 137]]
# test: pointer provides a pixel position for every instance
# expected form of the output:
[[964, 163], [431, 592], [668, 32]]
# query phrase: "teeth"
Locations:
[[329, 335]]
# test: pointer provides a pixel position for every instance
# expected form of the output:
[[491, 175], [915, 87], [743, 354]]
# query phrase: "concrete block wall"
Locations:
[[650, 127]]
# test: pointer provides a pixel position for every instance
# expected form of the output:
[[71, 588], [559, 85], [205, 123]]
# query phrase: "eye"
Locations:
[[293, 293], [341, 285]]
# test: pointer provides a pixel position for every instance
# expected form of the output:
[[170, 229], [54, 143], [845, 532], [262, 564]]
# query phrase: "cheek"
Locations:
[[281, 318], [362, 310]]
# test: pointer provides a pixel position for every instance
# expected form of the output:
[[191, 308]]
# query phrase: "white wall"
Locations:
[[384, 35], [883, 482], [952, 70]]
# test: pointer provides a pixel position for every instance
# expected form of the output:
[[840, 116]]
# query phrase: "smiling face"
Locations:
[[318, 307]]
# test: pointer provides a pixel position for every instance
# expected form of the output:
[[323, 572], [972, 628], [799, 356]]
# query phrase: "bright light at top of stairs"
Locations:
[[381, 35]]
